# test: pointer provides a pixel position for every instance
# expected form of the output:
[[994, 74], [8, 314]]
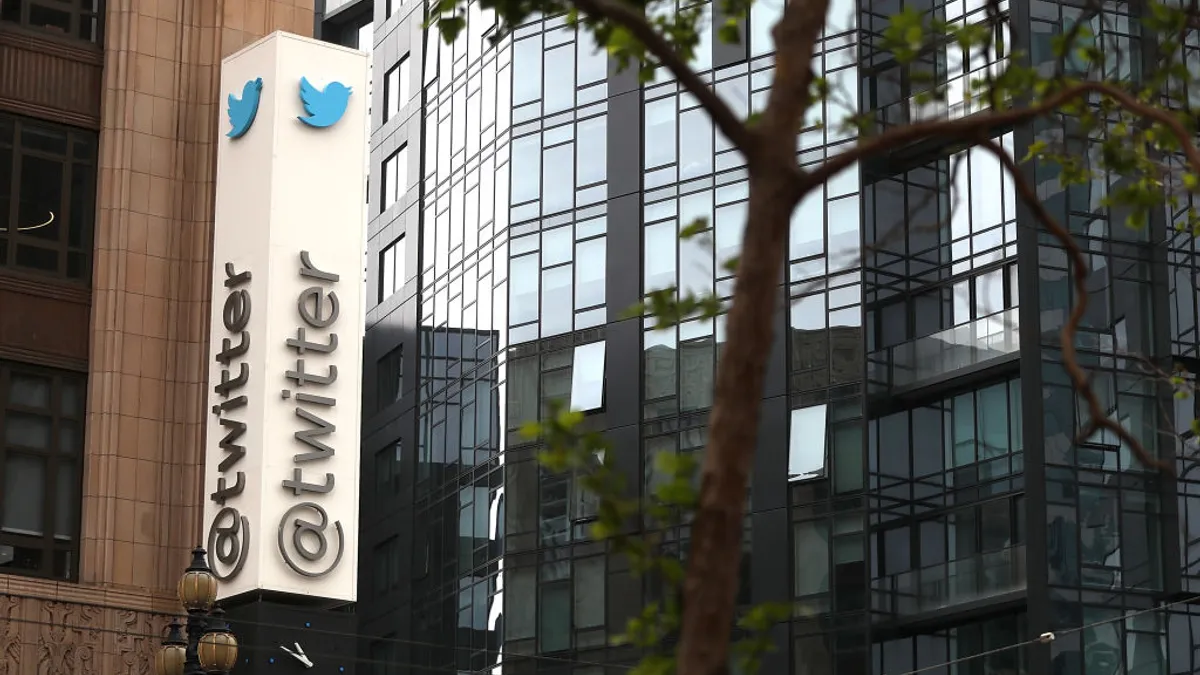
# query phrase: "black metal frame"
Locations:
[[55, 460], [80, 152], [78, 17]]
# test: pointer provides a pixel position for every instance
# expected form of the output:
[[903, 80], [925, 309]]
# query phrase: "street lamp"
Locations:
[[210, 647]]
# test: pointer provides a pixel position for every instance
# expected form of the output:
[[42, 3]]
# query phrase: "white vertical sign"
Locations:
[[282, 450]]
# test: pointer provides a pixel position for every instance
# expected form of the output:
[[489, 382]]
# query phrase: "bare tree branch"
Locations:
[[635, 22], [972, 126], [1079, 272]]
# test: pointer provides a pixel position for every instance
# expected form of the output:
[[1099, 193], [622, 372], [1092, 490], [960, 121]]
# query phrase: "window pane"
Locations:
[[989, 293], [66, 501], [558, 178], [986, 190], [696, 253], [659, 256], [559, 79], [526, 168], [389, 182], [806, 454], [591, 150], [554, 625], [83, 204], [391, 92], [763, 16], [387, 273], [29, 391], [964, 430], [527, 60], [50, 19], [696, 144], [660, 364], [848, 457], [587, 377], [696, 369], [40, 205], [556, 300], [557, 246], [524, 290], [811, 558], [993, 421], [27, 430], [589, 592], [593, 61], [590, 262], [24, 494], [660, 132], [522, 392], [401, 181], [731, 223], [405, 81], [70, 437]]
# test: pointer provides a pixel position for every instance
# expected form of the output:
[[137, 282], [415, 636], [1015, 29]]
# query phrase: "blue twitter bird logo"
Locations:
[[326, 107], [242, 111]]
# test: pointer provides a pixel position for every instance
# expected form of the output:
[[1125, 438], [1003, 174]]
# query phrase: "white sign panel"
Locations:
[[282, 451]]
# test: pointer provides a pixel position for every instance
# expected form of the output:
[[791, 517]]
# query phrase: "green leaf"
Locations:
[[694, 228]]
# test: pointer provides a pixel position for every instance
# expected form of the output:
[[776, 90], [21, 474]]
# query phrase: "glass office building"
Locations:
[[523, 194]]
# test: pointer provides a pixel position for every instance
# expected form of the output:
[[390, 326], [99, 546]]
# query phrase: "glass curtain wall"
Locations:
[[1104, 509]]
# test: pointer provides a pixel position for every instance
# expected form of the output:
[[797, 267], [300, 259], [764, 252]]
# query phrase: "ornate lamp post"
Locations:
[[210, 647]]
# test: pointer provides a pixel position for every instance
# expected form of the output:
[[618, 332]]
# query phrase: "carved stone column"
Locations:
[[148, 361]]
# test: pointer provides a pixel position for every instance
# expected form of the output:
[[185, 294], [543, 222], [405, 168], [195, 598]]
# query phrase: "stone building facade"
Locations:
[[119, 100]]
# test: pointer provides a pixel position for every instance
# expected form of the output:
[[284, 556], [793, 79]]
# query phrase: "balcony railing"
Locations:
[[954, 583], [929, 357]]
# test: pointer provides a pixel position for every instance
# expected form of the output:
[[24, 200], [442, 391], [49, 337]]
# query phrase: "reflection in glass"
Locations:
[[559, 79], [558, 178], [659, 256], [660, 132], [696, 144], [590, 268], [731, 223], [593, 61], [556, 300], [763, 16], [659, 364], [524, 290], [527, 61], [806, 444], [587, 377], [696, 373], [591, 148], [526, 168], [24, 494], [810, 558]]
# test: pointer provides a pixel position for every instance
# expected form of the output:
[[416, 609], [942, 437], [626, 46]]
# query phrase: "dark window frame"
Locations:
[[403, 77], [389, 374], [390, 286], [388, 472], [74, 9], [399, 159], [47, 544], [73, 259]]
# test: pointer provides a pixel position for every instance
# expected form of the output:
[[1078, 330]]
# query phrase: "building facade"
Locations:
[[108, 121], [525, 193]]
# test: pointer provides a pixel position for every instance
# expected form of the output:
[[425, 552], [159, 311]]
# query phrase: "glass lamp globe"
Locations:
[[218, 648], [198, 586], [171, 656]]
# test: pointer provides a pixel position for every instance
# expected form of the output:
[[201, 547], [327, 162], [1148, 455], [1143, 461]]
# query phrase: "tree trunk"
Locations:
[[710, 588]]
